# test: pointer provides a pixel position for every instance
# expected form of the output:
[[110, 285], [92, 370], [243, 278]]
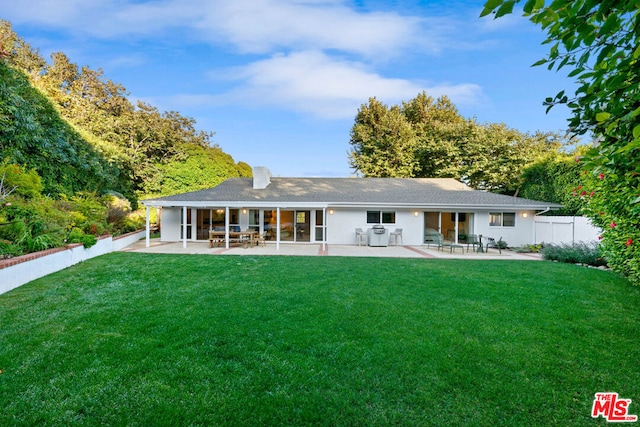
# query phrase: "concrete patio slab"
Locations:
[[329, 250]]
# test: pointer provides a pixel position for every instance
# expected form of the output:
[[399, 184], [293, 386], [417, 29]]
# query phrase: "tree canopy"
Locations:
[[598, 42], [427, 137], [79, 130]]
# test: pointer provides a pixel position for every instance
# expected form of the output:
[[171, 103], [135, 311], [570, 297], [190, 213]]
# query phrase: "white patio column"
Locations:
[[455, 239], [226, 227], [184, 227], [277, 228], [324, 228], [147, 234]]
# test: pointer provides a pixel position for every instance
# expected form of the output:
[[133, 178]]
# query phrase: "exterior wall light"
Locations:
[[330, 211], [524, 214], [244, 211], [416, 213]]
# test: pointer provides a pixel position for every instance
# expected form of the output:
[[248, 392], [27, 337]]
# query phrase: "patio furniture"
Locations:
[[261, 240], [395, 235], [473, 241], [361, 236], [244, 238], [431, 236], [491, 243], [449, 244]]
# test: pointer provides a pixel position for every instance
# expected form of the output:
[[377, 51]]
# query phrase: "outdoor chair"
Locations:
[[431, 237], [361, 236], [473, 241], [448, 244], [491, 243], [261, 239], [395, 235]]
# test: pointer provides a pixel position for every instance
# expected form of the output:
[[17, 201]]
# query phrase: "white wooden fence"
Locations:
[[17, 271], [565, 229]]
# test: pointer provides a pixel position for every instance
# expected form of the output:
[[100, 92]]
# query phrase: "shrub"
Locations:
[[27, 182], [9, 250], [577, 253], [78, 236], [527, 249], [502, 244]]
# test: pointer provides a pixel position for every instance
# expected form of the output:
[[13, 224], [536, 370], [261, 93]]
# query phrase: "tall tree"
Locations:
[[383, 142], [599, 42], [427, 137]]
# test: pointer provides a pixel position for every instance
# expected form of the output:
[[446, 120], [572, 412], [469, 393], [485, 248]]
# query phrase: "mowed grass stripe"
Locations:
[[143, 339]]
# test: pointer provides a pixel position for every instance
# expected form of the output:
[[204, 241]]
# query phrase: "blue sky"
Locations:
[[280, 81]]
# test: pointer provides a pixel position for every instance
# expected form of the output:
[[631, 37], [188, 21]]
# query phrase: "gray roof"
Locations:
[[322, 192]]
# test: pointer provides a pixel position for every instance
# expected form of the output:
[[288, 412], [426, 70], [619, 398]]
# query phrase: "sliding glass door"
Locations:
[[295, 226]]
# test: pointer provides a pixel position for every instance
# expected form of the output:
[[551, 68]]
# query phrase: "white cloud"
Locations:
[[315, 83], [257, 26], [262, 26], [104, 18]]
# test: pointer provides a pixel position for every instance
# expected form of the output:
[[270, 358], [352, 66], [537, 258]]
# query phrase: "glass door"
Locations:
[[203, 224], [303, 226], [295, 226], [320, 229]]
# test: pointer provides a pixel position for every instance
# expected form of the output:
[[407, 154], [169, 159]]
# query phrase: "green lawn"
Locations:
[[141, 339]]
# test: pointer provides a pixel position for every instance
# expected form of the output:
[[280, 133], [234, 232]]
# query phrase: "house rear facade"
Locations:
[[328, 210]]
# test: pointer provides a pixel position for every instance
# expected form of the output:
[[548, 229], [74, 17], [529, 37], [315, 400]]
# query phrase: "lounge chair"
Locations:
[[473, 241], [491, 243]]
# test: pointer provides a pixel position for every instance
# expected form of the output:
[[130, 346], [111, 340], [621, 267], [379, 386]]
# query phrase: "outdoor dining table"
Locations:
[[240, 236]]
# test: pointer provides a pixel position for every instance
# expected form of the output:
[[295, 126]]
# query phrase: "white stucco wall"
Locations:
[[521, 234], [343, 223], [170, 231], [17, 275]]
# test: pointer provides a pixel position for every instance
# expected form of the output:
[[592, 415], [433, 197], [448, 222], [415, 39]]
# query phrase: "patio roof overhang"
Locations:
[[325, 205]]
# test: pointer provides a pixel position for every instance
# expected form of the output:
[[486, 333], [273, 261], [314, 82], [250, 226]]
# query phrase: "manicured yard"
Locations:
[[141, 339]]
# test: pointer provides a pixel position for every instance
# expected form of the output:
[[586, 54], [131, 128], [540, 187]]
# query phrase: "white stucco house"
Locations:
[[328, 210]]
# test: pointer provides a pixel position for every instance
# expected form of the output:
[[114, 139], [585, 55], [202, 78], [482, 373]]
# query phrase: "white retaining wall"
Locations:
[[18, 274], [565, 229]]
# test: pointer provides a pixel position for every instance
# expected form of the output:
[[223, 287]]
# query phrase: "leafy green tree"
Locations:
[[19, 53], [383, 142], [441, 133], [599, 42], [428, 138], [32, 134], [557, 178]]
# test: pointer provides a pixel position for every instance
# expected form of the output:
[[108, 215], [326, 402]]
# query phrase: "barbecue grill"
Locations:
[[378, 236]]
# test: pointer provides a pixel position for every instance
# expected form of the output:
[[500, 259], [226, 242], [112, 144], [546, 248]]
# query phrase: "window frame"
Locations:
[[503, 221], [380, 214]]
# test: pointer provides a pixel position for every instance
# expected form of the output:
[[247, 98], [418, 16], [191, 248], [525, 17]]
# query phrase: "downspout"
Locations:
[[542, 212]]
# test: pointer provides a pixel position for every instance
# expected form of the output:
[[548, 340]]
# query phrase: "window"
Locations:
[[509, 219], [381, 217], [502, 219]]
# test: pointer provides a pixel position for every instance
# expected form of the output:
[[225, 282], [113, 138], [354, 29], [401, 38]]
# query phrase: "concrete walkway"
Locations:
[[329, 250]]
